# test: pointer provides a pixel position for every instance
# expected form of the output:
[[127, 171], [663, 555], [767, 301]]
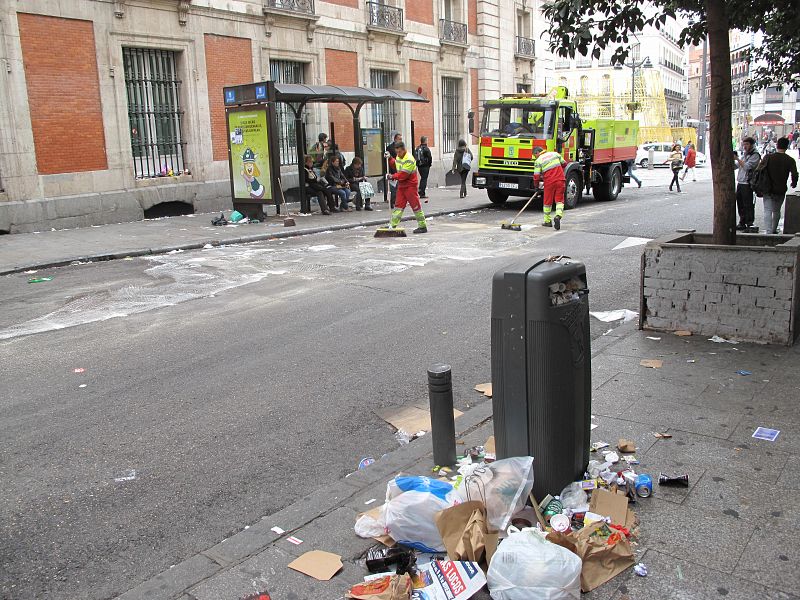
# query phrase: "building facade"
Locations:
[[111, 108]]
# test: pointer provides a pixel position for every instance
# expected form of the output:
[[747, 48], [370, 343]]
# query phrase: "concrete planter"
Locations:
[[748, 291]]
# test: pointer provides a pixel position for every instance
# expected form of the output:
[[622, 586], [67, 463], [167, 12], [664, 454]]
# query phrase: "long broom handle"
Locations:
[[536, 193]]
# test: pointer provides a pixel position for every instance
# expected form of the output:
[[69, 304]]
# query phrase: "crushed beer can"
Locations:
[[674, 481]]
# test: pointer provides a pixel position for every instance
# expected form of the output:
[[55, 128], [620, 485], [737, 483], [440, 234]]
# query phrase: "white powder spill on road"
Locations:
[[183, 276]]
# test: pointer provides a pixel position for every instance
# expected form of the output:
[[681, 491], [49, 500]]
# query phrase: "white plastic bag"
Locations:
[[411, 505], [503, 485], [528, 567], [370, 527]]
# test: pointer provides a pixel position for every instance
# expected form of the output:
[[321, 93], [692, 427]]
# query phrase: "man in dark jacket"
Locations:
[[355, 176], [778, 167], [424, 161]]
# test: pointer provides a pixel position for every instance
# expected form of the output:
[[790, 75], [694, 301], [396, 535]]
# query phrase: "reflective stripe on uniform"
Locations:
[[407, 164], [547, 161]]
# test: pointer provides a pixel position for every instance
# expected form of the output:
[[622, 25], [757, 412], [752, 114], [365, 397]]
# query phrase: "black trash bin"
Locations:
[[791, 214], [541, 369]]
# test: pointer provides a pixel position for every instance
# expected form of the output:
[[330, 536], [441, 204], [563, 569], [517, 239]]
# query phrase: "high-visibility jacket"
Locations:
[[406, 171], [549, 166]]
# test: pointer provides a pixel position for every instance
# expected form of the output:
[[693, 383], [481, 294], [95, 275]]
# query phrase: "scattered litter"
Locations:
[[607, 332], [178, 251], [485, 389], [129, 475], [277, 530], [640, 570], [564, 292], [370, 501], [365, 462], [691, 361], [599, 446], [611, 457], [595, 425], [743, 372], [31, 272], [39, 279], [83, 385], [655, 339], [630, 459], [294, 540], [451, 214], [450, 580], [631, 242], [609, 316], [207, 247], [387, 587], [79, 370], [409, 418], [762, 433], [721, 340], [317, 564], [625, 445], [260, 595], [321, 248], [662, 436], [652, 363], [683, 333]]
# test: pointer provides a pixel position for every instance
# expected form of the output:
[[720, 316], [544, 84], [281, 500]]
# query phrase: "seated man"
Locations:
[[341, 187], [315, 187]]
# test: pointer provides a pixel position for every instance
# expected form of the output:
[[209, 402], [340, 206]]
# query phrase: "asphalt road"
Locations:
[[223, 384]]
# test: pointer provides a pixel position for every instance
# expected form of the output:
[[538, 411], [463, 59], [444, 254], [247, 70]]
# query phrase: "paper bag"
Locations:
[[393, 587], [601, 562], [465, 534]]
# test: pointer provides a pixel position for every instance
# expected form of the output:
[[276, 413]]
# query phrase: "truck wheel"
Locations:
[[497, 197], [609, 189], [574, 190]]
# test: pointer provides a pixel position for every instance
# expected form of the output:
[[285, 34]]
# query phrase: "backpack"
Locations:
[[466, 161], [760, 180], [419, 156]]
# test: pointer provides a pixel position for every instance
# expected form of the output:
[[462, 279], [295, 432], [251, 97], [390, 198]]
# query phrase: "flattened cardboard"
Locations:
[[652, 363], [489, 445], [683, 333], [611, 505], [318, 564], [410, 419], [627, 446], [485, 389]]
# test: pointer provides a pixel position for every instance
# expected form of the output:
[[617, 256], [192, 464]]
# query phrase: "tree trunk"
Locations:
[[721, 133]]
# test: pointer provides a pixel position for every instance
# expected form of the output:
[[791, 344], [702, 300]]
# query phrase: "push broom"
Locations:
[[516, 226]]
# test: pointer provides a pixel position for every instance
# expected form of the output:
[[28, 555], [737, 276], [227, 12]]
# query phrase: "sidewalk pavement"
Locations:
[[732, 533], [27, 251]]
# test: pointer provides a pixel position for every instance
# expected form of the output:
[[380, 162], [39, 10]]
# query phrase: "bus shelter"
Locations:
[[253, 149]]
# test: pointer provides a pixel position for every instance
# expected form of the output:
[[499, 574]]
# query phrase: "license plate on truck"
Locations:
[[508, 186]]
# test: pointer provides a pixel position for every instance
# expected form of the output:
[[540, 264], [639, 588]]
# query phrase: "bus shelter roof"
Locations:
[[298, 92]]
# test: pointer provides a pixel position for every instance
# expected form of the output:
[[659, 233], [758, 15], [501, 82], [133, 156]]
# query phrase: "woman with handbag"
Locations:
[[675, 161], [357, 179], [462, 163]]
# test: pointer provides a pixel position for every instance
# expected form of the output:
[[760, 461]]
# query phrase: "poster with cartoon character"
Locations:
[[250, 160]]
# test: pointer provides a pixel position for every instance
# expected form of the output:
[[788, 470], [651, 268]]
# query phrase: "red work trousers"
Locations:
[[554, 192], [408, 195]]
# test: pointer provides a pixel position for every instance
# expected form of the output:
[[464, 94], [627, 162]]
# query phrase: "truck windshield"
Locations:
[[518, 121]]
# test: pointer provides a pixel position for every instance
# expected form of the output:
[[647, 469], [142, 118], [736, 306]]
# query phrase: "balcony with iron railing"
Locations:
[[387, 18], [526, 47], [299, 7], [452, 32]]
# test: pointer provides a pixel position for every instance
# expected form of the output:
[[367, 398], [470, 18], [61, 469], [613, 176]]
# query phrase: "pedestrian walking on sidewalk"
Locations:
[[675, 161], [424, 161], [745, 202], [631, 166], [548, 172], [689, 161], [462, 163], [407, 188], [778, 167]]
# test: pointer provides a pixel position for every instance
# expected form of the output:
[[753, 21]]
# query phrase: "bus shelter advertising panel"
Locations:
[[248, 131]]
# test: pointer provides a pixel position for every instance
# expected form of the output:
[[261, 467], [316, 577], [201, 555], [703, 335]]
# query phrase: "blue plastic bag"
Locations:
[[411, 505]]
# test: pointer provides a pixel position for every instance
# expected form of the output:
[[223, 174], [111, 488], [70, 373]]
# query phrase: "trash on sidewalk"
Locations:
[[39, 279], [610, 504], [365, 462], [79, 370], [651, 363], [277, 530], [128, 475], [448, 580], [259, 595], [219, 221], [721, 340], [625, 445], [391, 587], [465, 533], [655, 339], [318, 564], [762, 433], [673, 480], [485, 389], [609, 316], [411, 507], [662, 436], [743, 372], [381, 560], [294, 540], [683, 333], [410, 418], [640, 569]]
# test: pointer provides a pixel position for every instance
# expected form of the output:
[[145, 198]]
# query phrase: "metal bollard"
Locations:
[[650, 159], [443, 426]]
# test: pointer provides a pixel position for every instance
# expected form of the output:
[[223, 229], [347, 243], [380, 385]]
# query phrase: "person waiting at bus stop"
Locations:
[[407, 188], [327, 203], [548, 171]]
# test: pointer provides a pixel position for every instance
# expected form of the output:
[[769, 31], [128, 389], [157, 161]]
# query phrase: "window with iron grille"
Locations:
[[383, 113], [451, 112], [154, 111], [286, 71]]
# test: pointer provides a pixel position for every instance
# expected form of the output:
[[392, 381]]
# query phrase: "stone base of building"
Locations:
[[66, 212], [748, 291]]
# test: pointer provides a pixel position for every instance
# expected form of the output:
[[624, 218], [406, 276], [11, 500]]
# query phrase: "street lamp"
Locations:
[[633, 65]]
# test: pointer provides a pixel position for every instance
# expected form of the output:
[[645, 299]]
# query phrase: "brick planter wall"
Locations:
[[748, 291]]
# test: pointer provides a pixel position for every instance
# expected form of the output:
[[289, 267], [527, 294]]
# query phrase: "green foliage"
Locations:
[[587, 27]]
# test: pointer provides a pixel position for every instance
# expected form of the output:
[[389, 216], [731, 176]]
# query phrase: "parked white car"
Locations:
[[661, 152]]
